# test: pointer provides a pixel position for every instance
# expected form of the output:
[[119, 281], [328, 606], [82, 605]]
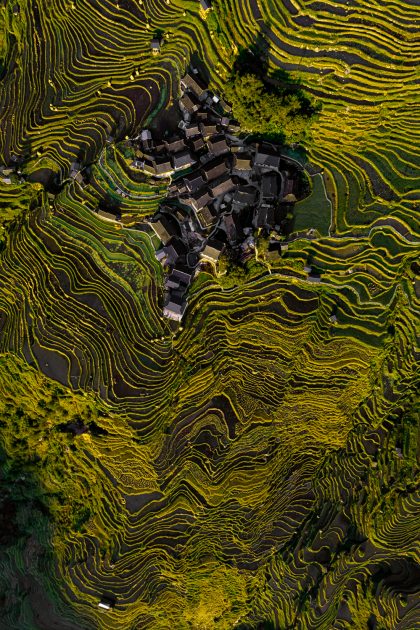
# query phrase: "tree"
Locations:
[[277, 112]]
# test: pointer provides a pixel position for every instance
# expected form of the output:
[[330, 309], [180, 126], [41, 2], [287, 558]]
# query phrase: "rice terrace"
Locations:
[[209, 315]]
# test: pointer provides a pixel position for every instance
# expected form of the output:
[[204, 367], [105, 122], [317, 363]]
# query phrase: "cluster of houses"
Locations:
[[222, 189]]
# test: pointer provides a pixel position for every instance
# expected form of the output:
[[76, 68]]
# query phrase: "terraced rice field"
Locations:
[[256, 467]]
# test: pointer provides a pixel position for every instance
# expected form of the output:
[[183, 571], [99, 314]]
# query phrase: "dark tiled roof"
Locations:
[[223, 187], [214, 169], [218, 145], [182, 159]]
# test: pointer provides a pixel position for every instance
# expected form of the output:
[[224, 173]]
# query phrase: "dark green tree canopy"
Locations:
[[279, 110]]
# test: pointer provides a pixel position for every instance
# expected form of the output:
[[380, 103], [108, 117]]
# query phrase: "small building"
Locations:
[[74, 169], [269, 187], [79, 179], [192, 130], [333, 319], [6, 171], [242, 162], [189, 103], [192, 84], [205, 5], [155, 45], [266, 160], [174, 145], [260, 217], [165, 228], [145, 135], [214, 169], [162, 167], [160, 255], [198, 144], [175, 307], [137, 164], [180, 277], [212, 251], [230, 228], [224, 121], [194, 181], [198, 199], [183, 159], [174, 250], [208, 129], [222, 188], [106, 603], [109, 216], [206, 217], [218, 146], [244, 196]]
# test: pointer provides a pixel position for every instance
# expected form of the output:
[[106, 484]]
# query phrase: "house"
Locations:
[[6, 171], [217, 145], [192, 130], [165, 228], [149, 167], [174, 250], [224, 121], [175, 307], [174, 145], [205, 5], [222, 188], [242, 162], [198, 144], [106, 603], [180, 277], [244, 196], [194, 181], [206, 217], [189, 83], [214, 169], [233, 126], [162, 167], [273, 252], [155, 45], [74, 169], [269, 187], [266, 160], [183, 159], [260, 217], [110, 216], [137, 164], [145, 135], [230, 228], [198, 199], [208, 129], [189, 103], [160, 255], [79, 179], [212, 251]]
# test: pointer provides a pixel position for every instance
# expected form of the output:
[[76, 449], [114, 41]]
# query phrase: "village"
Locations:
[[223, 190]]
